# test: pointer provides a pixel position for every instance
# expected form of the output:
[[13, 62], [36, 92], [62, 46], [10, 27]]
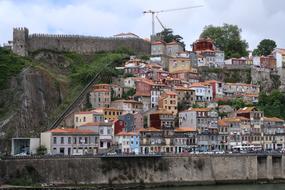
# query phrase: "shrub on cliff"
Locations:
[[272, 104], [10, 65]]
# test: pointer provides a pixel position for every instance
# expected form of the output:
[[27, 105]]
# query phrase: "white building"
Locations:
[[129, 82], [219, 58], [24, 146], [128, 142], [256, 61], [203, 91], [105, 130], [129, 106], [187, 119], [70, 141]]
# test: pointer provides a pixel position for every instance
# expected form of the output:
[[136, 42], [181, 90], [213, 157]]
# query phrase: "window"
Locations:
[[62, 140], [76, 119], [84, 119], [109, 131], [69, 140], [54, 140], [74, 140], [101, 131]]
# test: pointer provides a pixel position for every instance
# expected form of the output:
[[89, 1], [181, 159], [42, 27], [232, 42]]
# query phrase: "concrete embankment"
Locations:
[[146, 171]]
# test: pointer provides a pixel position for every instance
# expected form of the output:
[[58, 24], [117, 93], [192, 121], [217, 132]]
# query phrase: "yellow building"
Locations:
[[180, 64], [81, 118], [168, 101], [110, 113]]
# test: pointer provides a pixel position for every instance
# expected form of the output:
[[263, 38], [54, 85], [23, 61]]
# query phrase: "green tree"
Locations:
[[272, 104], [168, 36], [265, 47], [130, 92], [41, 150], [227, 38]]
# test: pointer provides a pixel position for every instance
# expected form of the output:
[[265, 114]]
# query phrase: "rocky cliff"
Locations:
[[30, 99], [268, 80], [48, 82]]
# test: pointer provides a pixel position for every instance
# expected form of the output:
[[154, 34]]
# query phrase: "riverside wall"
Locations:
[[183, 170]]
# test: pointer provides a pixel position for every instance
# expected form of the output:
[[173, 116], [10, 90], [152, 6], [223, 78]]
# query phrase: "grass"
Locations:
[[10, 65]]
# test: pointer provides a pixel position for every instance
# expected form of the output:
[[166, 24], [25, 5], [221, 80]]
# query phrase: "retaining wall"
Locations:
[[197, 169]]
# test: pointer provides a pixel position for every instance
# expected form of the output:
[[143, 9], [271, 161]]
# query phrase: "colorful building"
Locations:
[[168, 101]]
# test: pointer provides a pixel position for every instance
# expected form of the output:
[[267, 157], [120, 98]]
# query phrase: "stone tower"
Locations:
[[20, 41]]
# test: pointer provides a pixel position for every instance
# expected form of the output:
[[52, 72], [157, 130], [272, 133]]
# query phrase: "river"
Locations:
[[229, 187]]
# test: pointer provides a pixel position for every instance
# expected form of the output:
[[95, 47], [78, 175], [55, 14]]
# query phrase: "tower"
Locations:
[[20, 41]]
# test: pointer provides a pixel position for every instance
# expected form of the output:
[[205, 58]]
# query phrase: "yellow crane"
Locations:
[[154, 14]]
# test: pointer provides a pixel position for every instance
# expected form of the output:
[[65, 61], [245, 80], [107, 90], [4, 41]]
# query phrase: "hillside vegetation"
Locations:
[[36, 89], [10, 65]]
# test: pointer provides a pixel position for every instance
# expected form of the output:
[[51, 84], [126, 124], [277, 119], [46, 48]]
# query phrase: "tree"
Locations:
[[168, 36], [227, 38], [129, 93], [272, 104], [41, 150], [265, 47]]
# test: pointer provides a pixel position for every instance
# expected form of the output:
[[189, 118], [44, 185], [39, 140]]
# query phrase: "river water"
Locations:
[[229, 187]]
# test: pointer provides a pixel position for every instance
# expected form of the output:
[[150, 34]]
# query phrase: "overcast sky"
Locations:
[[258, 19]]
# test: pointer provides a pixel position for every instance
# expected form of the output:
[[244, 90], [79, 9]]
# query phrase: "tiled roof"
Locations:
[[273, 119], [124, 34], [101, 90], [88, 112], [123, 133], [149, 129], [199, 84], [147, 81], [72, 131], [98, 124], [225, 121], [246, 109], [200, 109], [170, 93], [162, 111], [142, 94], [185, 129], [183, 88]]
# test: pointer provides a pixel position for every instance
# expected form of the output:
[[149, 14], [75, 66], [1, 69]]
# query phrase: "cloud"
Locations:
[[258, 19]]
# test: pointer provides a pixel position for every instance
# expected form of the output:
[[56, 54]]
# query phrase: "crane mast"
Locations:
[[154, 14]]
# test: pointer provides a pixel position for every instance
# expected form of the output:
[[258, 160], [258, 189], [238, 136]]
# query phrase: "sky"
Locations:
[[258, 19]]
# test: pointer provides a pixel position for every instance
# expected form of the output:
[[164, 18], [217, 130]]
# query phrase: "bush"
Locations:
[[10, 65], [41, 150]]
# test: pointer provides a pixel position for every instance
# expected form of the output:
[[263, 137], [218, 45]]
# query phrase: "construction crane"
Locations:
[[154, 14]]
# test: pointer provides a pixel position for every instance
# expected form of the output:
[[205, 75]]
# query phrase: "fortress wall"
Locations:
[[85, 44]]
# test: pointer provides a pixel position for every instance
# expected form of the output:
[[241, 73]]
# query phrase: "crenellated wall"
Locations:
[[168, 170], [25, 43]]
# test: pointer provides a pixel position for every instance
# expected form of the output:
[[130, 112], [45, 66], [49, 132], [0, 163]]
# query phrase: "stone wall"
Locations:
[[24, 43], [197, 169]]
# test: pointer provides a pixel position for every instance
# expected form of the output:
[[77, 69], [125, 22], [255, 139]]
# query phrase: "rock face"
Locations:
[[32, 97], [268, 80]]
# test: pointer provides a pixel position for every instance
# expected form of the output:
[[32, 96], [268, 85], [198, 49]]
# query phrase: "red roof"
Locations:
[[72, 131], [123, 133], [149, 129], [185, 129]]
